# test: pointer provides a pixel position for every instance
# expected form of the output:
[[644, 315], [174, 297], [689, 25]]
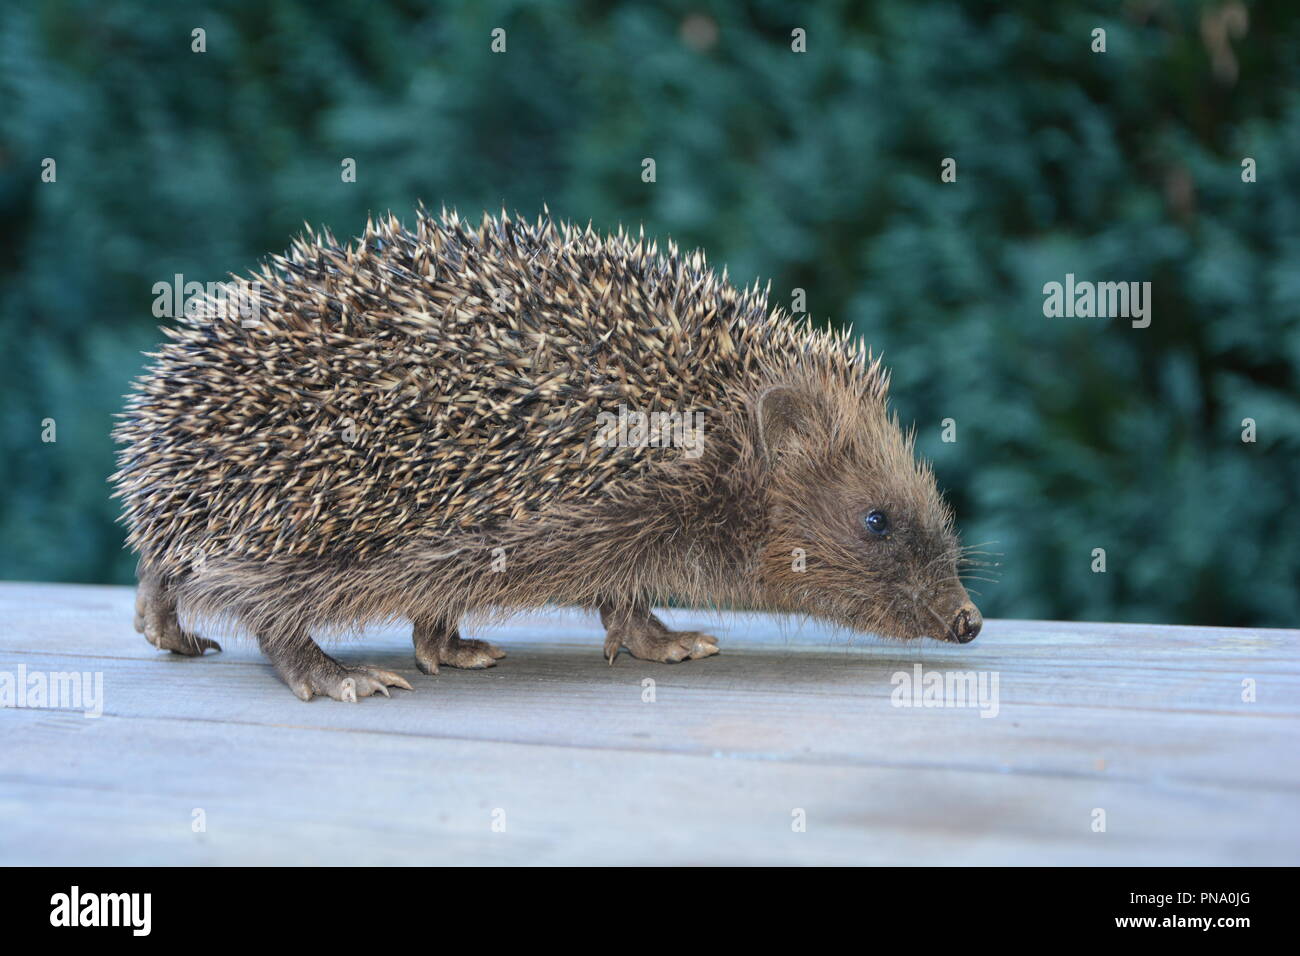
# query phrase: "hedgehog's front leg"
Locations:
[[646, 637], [309, 671], [439, 642]]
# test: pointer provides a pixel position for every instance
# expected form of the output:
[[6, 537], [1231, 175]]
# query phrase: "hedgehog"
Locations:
[[449, 421]]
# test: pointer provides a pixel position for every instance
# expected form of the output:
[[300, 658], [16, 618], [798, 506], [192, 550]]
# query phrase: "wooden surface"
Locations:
[[1145, 723]]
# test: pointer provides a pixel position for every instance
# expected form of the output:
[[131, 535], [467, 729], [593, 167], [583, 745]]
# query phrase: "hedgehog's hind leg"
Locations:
[[646, 637], [439, 642], [309, 671], [155, 618]]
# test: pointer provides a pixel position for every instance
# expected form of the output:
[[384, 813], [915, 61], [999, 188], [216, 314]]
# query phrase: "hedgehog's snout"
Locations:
[[954, 616], [966, 624]]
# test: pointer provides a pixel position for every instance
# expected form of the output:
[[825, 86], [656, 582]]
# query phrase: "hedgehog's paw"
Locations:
[[651, 641], [436, 645], [458, 652], [310, 671], [343, 683], [468, 653], [160, 627], [179, 641]]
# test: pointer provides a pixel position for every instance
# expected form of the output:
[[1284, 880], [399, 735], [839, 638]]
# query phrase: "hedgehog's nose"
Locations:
[[966, 624]]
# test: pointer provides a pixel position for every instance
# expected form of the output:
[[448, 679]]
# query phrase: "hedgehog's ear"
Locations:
[[783, 415]]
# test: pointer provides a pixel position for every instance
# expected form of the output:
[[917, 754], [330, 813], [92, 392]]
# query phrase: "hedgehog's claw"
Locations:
[[346, 683]]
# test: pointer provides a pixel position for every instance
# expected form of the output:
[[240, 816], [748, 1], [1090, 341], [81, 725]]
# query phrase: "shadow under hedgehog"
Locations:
[[406, 426]]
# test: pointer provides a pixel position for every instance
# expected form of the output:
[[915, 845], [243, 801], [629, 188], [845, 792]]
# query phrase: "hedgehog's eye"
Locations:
[[876, 522]]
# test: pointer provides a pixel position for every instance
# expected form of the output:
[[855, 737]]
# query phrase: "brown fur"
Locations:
[[476, 485]]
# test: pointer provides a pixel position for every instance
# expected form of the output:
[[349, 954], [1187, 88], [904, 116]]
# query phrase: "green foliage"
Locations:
[[818, 171]]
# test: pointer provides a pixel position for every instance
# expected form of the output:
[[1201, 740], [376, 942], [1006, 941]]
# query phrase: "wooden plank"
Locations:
[[327, 797], [1146, 723]]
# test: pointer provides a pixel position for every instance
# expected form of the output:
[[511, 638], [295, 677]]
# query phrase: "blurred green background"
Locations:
[[817, 170]]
